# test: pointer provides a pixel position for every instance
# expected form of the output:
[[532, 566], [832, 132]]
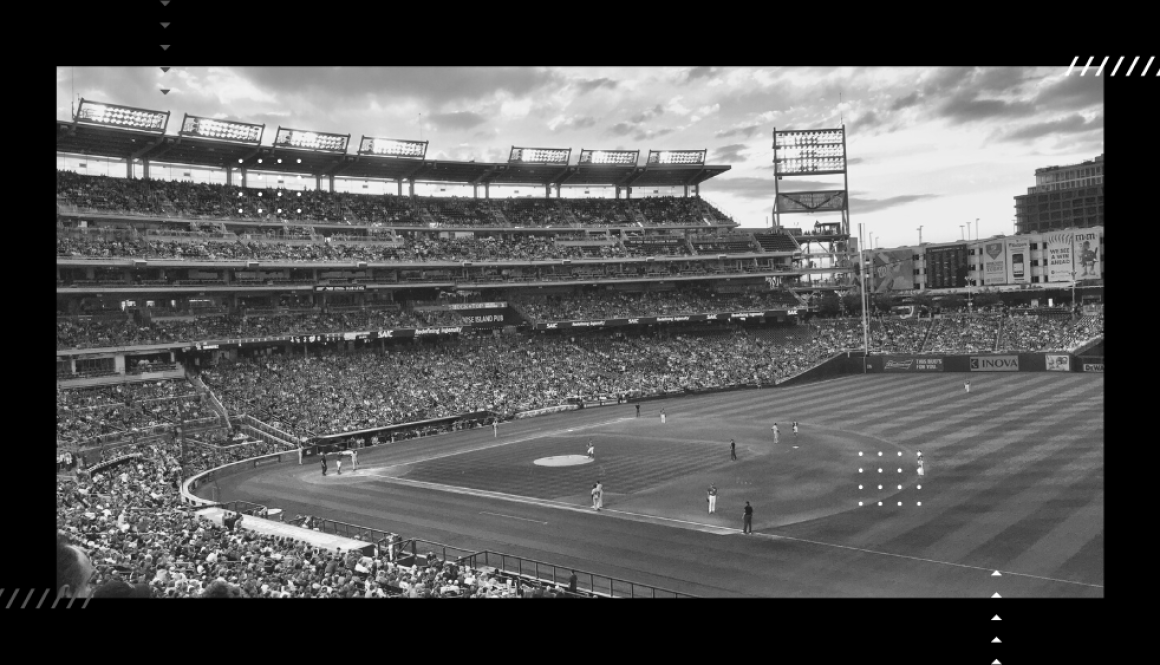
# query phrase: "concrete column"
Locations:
[[145, 166], [400, 184], [330, 184]]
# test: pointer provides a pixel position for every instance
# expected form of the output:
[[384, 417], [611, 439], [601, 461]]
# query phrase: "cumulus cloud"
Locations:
[[620, 129], [644, 135], [588, 85], [561, 124], [729, 153], [648, 114], [904, 102], [864, 205], [746, 131], [1072, 124], [1072, 93], [457, 120], [966, 107], [699, 73]]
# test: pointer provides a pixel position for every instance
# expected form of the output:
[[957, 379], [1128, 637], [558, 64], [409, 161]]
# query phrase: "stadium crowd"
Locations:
[[963, 333], [1028, 332], [619, 304], [84, 413], [178, 199]]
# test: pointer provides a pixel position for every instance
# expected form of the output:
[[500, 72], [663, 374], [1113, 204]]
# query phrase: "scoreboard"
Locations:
[[947, 267]]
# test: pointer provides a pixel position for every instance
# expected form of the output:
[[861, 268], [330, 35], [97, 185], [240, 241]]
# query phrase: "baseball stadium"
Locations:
[[281, 372]]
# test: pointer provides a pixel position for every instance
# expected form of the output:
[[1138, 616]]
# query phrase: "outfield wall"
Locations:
[[978, 363]]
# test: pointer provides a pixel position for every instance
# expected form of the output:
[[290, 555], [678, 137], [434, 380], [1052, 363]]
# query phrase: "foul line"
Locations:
[[512, 517], [535, 435], [915, 558]]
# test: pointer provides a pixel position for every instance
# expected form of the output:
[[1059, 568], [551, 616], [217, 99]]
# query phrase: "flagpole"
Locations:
[[865, 299]]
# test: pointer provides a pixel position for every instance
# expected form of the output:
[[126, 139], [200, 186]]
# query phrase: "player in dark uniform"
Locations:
[[732, 450], [323, 459]]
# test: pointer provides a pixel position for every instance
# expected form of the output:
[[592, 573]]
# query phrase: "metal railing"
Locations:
[[599, 585]]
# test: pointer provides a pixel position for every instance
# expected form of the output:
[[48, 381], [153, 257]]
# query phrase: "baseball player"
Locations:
[[495, 428], [967, 386], [795, 430], [712, 499], [595, 494], [599, 494], [776, 433], [591, 450], [921, 471], [662, 416], [732, 450], [338, 463]]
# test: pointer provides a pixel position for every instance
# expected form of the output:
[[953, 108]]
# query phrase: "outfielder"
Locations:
[[776, 433], [712, 499]]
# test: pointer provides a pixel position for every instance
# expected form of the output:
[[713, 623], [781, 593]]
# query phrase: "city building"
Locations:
[[1070, 196]]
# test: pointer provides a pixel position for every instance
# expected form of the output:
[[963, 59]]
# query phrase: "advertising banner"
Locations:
[[478, 305], [340, 287], [994, 263], [1058, 362], [994, 363], [947, 267], [1060, 256], [724, 316], [1087, 254], [1018, 261], [912, 364], [893, 270], [1093, 367]]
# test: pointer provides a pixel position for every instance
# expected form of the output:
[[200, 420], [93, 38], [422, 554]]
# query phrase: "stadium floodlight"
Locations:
[[621, 157], [539, 155], [809, 151], [114, 115], [676, 156], [317, 141], [222, 130], [371, 145]]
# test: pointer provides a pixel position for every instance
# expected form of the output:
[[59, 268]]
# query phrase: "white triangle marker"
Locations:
[[996, 618], [996, 574], [996, 641], [996, 595], [165, 25], [996, 662]]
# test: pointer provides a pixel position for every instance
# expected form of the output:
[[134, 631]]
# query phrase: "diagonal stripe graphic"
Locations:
[[1100, 71], [1145, 72], [1117, 67]]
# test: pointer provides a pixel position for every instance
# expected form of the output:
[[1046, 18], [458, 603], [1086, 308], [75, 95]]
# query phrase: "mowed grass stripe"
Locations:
[[1012, 506], [952, 482], [1015, 546], [983, 484], [947, 404]]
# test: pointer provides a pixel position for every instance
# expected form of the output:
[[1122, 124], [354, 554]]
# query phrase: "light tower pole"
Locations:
[[864, 268], [920, 235]]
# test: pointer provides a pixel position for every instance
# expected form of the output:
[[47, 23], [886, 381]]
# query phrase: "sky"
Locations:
[[935, 147]]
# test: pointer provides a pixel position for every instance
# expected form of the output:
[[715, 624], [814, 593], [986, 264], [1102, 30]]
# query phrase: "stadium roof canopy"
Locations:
[[117, 143]]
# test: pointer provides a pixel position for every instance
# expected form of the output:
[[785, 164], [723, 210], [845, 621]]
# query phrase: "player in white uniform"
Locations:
[[795, 430], [595, 494], [338, 463], [921, 472], [662, 416], [599, 494], [591, 450], [495, 428], [776, 433], [967, 386], [712, 498]]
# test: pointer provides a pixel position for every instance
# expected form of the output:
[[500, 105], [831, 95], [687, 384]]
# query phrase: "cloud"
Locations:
[[699, 73], [648, 114], [904, 102], [457, 120], [861, 205], [1072, 93], [965, 107], [1072, 124], [742, 187], [562, 123], [729, 153], [620, 129], [644, 135], [855, 160], [588, 85], [431, 85], [746, 131]]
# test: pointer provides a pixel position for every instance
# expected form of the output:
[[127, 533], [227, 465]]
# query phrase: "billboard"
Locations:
[[912, 364], [893, 270], [1018, 261], [994, 363], [1093, 367], [946, 267], [1059, 254], [811, 201], [1057, 362], [1087, 253], [994, 263]]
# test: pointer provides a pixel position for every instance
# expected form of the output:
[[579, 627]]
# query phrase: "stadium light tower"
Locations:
[[863, 269], [920, 235], [962, 236]]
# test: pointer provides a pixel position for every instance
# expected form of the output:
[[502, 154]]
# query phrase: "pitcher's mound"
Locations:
[[564, 460]]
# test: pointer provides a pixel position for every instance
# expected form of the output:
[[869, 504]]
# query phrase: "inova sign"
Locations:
[[995, 364]]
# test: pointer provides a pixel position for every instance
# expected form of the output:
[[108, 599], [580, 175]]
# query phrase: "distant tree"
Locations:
[[884, 301], [852, 304], [953, 301], [987, 299], [829, 305]]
